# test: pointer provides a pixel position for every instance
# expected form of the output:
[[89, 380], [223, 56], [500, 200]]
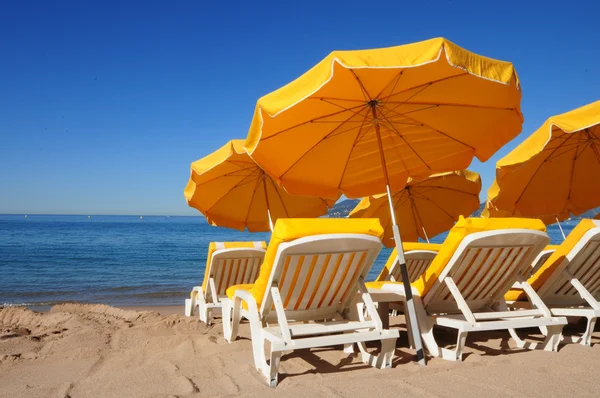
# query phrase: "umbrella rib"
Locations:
[[422, 184], [342, 107], [362, 87], [313, 120], [416, 216], [409, 98], [536, 171], [426, 84], [440, 132], [440, 207], [237, 185], [593, 146], [314, 146], [230, 174], [287, 214], [447, 189], [437, 104], [356, 139], [395, 80], [258, 180], [335, 99], [406, 142], [572, 173], [393, 110]]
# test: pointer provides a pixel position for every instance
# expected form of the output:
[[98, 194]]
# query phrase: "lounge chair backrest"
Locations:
[[484, 267], [583, 262], [235, 266], [417, 262], [318, 276], [539, 261]]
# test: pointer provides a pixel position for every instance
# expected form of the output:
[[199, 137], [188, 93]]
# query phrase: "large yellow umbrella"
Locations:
[[425, 207], [363, 122], [555, 172], [232, 191]]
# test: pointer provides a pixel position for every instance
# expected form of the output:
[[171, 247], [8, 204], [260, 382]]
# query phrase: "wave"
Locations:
[[37, 304]]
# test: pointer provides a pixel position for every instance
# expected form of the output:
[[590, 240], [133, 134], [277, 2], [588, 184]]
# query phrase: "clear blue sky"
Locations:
[[103, 105]]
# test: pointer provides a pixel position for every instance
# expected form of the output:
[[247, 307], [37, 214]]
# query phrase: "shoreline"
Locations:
[[164, 310]]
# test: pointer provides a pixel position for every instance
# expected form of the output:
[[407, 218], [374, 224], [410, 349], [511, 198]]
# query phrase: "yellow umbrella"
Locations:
[[362, 122], [232, 191], [554, 173], [425, 207]]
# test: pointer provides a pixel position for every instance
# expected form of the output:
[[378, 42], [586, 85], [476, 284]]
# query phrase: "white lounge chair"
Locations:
[[417, 262], [418, 257], [569, 281], [464, 286], [228, 264], [540, 260], [311, 278]]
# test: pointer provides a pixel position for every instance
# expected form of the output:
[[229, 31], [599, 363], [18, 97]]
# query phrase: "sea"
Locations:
[[117, 260]]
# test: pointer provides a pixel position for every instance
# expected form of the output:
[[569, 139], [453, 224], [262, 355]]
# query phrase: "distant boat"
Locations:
[[89, 216], [141, 217], [25, 215]]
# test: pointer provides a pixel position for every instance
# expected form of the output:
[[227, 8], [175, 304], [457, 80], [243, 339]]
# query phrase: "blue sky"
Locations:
[[103, 105]]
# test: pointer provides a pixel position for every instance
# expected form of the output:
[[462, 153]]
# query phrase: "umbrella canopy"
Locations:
[[553, 173], [426, 107], [363, 122], [425, 207], [232, 191]]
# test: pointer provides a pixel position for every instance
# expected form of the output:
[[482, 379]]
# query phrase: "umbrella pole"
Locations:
[[267, 200], [561, 230], [425, 233], [410, 307]]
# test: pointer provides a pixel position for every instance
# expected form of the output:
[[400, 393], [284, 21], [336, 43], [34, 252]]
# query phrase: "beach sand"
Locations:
[[78, 350]]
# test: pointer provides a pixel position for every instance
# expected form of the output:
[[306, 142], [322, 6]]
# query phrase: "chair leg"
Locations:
[[456, 354], [553, 338], [192, 302], [188, 307], [385, 357], [271, 370], [236, 318], [586, 339], [426, 329], [203, 312], [227, 312]]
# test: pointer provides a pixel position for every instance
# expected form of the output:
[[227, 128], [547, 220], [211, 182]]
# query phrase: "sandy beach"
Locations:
[[77, 350]]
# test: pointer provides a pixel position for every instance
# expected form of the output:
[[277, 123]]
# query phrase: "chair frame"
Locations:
[[210, 301], [286, 327], [478, 304]]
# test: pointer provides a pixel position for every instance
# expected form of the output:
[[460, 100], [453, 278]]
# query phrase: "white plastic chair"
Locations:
[[228, 267], [308, 302]]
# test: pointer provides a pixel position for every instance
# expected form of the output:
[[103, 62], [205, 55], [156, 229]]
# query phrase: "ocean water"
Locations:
[[116, 260]]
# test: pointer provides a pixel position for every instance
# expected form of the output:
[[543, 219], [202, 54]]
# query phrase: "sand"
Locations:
[[77, 350]]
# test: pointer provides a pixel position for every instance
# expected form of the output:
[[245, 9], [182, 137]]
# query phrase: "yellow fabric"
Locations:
[[554, 172], [287, 230], [463, 228], [435, 104], [433, 204], [546, 270], [406, 246], [212, 246], [228, 187]]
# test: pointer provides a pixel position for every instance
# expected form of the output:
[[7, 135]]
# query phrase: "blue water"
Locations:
[[117, 260]]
